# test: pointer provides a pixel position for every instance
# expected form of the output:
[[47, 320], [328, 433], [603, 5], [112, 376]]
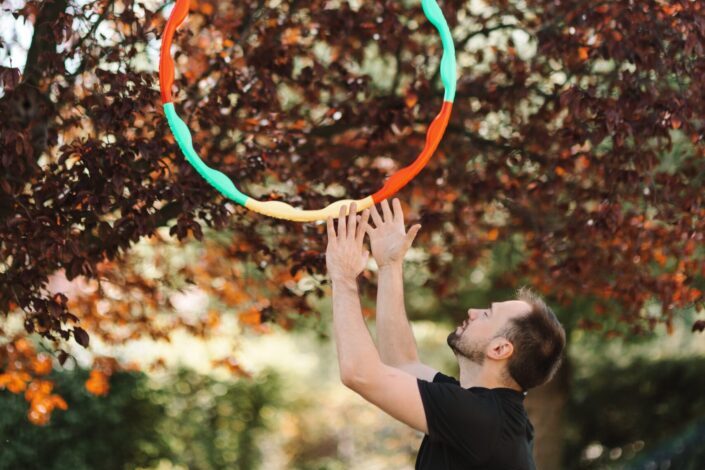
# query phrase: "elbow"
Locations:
[[356, 379], [348, 377], [348, 381]]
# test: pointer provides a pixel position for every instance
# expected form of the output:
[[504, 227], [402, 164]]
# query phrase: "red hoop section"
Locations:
[[166, 63], [433, 137]]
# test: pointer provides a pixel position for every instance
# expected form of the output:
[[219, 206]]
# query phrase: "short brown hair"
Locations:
[[538, 339]]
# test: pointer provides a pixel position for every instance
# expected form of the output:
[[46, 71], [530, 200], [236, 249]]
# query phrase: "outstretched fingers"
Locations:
[[342, 228], [330, 229], [411, 235], [375, 216], [386, 211], [352, 221], [363, 227], [398, 213]]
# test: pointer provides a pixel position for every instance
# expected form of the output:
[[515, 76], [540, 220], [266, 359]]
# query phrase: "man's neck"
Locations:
[[473, 374]]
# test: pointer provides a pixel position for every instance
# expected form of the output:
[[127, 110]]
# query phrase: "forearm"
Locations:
[[355, 347], [395, 338]]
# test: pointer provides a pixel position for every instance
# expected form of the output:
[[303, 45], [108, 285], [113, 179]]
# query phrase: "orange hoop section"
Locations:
[[433, 137]]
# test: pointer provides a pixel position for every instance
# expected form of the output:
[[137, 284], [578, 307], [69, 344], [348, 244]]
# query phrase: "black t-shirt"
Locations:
[[475, 428]]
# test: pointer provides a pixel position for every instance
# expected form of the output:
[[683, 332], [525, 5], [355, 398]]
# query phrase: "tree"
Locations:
[[577, 127], [627, 407], [192, 420], [113, 432]]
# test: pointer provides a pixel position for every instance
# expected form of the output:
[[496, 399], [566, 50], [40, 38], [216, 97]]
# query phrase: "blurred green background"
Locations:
[[616, 403], [619, 402]]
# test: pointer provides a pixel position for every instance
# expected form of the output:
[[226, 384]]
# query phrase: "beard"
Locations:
[[472, 351]]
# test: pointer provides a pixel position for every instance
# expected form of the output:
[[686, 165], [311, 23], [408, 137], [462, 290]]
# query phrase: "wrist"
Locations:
[[390, 265], [346, 282]]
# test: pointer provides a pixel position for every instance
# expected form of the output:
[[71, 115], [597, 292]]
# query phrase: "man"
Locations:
[[477, 422]]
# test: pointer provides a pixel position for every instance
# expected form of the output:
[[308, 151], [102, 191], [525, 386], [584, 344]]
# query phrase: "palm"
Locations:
[[388, 239], [389, 244], [345, 254]]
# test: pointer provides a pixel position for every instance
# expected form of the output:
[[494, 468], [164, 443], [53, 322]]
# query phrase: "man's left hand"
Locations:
[[345, 255]]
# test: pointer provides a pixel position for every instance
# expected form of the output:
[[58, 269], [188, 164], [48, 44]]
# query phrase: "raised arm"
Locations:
[[395, 339], [392, 390]]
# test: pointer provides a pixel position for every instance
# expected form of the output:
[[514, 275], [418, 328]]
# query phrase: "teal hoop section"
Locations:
[[448, 67], [219, 180]]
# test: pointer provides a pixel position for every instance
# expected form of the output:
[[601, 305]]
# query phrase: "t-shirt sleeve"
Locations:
[[460, 418], [440, 377]]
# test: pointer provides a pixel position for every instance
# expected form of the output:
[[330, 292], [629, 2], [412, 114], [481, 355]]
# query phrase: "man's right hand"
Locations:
[[388, 239]]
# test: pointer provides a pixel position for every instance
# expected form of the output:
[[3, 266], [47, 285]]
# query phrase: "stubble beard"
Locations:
[[472, 352]]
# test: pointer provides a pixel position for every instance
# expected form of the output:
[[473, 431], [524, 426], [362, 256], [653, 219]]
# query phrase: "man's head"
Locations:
[[523, 334]]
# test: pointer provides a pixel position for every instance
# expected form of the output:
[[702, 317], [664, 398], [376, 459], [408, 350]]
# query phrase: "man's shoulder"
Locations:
[[440, 377]]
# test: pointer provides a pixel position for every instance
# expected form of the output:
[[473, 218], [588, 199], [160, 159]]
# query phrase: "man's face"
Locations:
[[471, 338]]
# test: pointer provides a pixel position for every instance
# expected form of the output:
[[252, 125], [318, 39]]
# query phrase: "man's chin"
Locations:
[[452, 340], [475, 356]]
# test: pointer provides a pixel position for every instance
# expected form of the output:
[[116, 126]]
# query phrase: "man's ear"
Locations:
[[500, 348]]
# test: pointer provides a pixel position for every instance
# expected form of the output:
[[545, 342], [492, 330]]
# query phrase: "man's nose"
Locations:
[[472, 314]]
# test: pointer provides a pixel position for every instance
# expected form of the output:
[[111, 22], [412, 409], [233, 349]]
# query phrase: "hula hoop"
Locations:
[[279, 209]]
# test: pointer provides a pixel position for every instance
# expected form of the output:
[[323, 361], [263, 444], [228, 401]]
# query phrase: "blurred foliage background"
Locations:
[[629, 402], [147, 323]]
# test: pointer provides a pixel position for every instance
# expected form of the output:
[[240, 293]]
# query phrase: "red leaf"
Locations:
[[63, 355], [81, 336]]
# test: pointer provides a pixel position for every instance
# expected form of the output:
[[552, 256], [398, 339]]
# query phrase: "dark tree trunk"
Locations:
[[545, 406]]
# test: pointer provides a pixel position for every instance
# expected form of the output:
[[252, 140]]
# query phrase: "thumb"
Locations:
[[411, 235]]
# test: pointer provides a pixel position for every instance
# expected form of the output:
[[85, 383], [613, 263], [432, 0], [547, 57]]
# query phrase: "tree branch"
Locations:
[[43, 40], [95, 25]]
